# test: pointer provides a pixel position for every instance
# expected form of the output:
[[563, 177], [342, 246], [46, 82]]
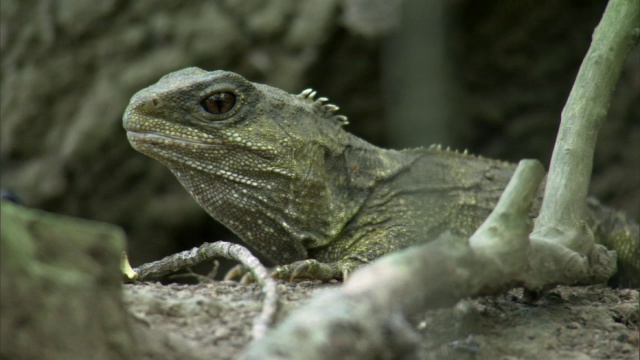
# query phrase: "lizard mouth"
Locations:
[[162, 139], [145, 141]]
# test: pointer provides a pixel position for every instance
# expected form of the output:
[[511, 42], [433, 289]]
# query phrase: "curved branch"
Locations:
[[563, 243]]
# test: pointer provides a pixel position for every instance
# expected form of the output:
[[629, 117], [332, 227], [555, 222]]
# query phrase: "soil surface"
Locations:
[[212, 320]]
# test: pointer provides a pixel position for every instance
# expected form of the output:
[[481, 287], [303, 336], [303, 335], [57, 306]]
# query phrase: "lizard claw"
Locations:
[[235, 272], [247, 278], [308, 267], [240, 272]]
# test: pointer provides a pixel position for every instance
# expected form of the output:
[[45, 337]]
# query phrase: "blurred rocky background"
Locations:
[[488, 76]]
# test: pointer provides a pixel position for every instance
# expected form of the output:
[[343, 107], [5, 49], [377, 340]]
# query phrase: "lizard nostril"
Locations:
[[155, 102]]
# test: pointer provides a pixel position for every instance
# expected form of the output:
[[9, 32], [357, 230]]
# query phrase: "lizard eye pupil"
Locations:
[[219, 103]]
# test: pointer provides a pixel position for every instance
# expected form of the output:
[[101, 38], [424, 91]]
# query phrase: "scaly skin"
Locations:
[[280, 172]]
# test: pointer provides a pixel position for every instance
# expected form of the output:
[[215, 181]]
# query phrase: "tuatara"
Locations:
[[280, 171]]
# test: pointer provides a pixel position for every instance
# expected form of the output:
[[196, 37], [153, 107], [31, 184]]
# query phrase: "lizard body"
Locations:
[[280, 172]]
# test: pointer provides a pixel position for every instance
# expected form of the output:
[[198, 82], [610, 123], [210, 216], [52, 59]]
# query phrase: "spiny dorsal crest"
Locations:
[[438, 147], [448, 150], [328, 109]]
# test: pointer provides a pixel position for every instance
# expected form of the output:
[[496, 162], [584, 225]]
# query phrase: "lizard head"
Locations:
[[245, 151], [222, 114]]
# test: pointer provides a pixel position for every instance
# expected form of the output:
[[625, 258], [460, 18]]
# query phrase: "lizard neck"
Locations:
[[339, 177]]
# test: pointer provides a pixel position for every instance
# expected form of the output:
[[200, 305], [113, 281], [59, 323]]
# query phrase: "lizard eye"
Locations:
[[219, 103]]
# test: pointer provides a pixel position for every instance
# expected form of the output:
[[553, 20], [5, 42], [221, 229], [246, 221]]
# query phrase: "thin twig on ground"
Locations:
[[208, 251]]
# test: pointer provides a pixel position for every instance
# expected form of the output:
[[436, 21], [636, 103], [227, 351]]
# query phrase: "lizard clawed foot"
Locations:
[[312, 269]]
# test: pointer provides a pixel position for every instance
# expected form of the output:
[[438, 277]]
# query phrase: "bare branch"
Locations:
[[561, 237]]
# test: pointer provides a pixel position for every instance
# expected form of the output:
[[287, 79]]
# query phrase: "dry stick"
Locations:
[[561, 239], [208, 251], [365, 317]]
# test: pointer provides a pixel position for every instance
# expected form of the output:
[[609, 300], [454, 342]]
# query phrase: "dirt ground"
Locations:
[[212, 320]]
